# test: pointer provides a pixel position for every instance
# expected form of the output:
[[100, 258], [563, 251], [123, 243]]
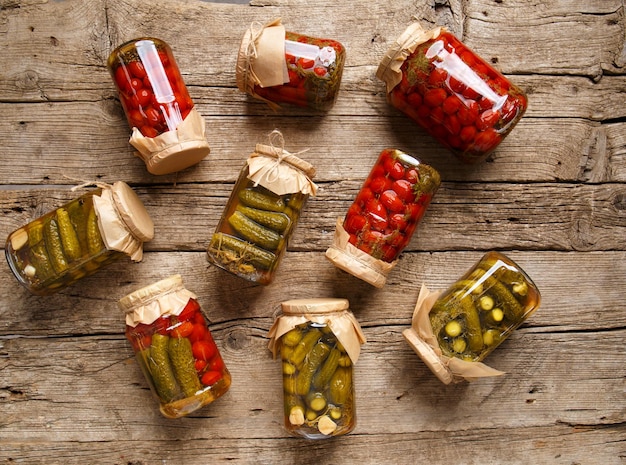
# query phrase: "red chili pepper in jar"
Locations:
[[381, 220], [303, 71], [459, 98]]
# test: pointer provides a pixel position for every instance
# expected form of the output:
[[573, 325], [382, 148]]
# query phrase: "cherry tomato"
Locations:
[[183, 329], [435, 97], [398, 221], [467, 133], [137, 69], [209, 378], [189, 311], [391, 201], [437, 77], [198, 333], [380, 184], [468, 113], [451, 104], [216, 363], [149, 131], [394, 168], [376, 210], [200, 365], [364, 196], [487, 119], [355, 223], [320, 71], [412, 175], [305, 63], [414, 99], [203, 350], [404, 189]]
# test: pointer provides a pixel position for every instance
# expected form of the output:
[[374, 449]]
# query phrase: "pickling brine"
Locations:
[[78, 238], [174, 347], [279, 66], [385, 213], [459, 98]]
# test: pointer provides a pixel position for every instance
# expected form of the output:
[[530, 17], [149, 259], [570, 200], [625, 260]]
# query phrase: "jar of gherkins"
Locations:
[[456, 96], [380, 222], [454, 331], [174, 347], [278, 67], [319, 341], [78, 238], [167, 130], [261, 213]]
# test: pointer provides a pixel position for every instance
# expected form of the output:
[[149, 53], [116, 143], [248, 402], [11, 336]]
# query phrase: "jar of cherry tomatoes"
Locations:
[[319, 341], [262, 212], [78, 238], [459, 98], [174, 347], [167, 130], [284, 67], [454, 331], [381, 220]]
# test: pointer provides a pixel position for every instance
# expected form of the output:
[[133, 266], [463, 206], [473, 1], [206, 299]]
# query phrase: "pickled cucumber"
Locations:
[[78, 211], [182, 359], [340, 386], [322, 377], [54, 246], [304, 346], [268, 202], [69, 238], [94, 239], [254, 232], [274, 220], [242, 250], [313, 361], [161, 370], [38, 255]]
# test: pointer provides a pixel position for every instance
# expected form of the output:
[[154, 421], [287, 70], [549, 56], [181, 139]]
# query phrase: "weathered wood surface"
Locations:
[[553, 196]]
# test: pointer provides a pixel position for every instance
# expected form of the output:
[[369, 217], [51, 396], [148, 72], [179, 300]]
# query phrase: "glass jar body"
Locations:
[[318, 390], [390, 204], [459, 98], [151, 89], [59, 248], [180, 361], [477, 313], [315, 67], [254, 230]]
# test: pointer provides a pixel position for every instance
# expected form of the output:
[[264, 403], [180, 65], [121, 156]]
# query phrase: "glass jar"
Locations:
[[78, 238], [459, 98], [381, 220], [285, 67], [319, 341], [168, 131], [261, 214], [174, 347], [472, 317]]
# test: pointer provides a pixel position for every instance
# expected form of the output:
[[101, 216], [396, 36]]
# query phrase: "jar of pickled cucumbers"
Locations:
[[459, 98], [319, 341], [381, 220], [167, 130], [78, 238], [454, 331], [174, 347], [261, 213], [278, 67]]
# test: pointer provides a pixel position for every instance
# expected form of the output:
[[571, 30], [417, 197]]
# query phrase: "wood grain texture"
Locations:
[[552, 197]]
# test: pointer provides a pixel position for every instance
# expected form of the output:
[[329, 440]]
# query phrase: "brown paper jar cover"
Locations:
[[77, 239]]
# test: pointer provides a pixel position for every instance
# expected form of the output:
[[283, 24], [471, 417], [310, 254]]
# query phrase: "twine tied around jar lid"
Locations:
[[422, 340], [123, 220], [332, 312], [280, 171], [261, 59], [414, 35], [166, 297]]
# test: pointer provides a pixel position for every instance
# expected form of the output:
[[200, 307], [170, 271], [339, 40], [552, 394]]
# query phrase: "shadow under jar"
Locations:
[[459, 98]]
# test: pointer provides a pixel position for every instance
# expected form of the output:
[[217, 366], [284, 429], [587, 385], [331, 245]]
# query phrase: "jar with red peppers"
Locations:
[[262, 212], [78, 238], [167, 130], [459, 98], [381, 220], [279, 67], [174, 347], [319, 341], [454, 331]]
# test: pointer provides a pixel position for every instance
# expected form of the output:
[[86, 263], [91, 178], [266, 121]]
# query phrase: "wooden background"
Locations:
[[553, 197]]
